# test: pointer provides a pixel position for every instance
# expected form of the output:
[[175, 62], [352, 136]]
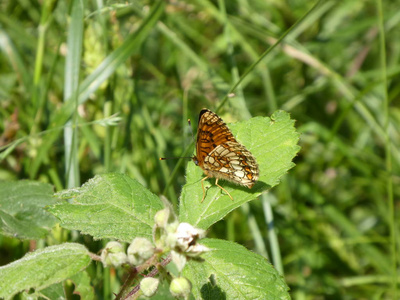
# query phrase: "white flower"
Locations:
[[187, 235]]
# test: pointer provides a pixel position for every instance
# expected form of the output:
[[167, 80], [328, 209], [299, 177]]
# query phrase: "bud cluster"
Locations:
[[169, 236]]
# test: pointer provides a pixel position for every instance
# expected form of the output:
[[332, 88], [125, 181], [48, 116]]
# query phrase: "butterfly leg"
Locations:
[[202, 186], [216, 183]]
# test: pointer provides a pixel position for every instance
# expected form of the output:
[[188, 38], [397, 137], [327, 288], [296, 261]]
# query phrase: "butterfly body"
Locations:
[[220, 155]]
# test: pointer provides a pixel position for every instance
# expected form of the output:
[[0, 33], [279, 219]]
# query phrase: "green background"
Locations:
[[157, 63]]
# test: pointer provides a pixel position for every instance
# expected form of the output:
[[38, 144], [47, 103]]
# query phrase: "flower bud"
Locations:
[[149, 286], [113, 255], [180, 287], [161, 217], [159, 237], [165, 222], [140, 250], [187, 235]]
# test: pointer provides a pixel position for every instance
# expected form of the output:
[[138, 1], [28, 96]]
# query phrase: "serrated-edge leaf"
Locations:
[[111, 205], [273, 142], [43, 268], [21, 229], [22, 213], [230, 271]]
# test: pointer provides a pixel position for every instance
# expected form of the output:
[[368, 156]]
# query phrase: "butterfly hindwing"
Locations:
[[233, 162], [220, 155]]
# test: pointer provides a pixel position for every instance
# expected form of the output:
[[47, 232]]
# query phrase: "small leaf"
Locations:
[[272, 141], [109, 206], [43, 268], [230, 271], [22, 213], [82, 284]]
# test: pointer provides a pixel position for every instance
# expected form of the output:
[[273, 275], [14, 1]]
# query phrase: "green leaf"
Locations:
[[109, 206], [272, 141], [43, 268], [230, 271], [54, 291], [83, 288], [21, 209]]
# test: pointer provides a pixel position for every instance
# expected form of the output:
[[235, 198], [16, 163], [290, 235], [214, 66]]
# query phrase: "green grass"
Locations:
[[157, 64]]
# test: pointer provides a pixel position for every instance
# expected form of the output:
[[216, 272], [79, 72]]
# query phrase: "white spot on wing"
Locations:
[[239, 174]]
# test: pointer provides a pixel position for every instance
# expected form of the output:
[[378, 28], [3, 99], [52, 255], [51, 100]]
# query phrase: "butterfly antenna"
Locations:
[[189, 157], [164, 158], [191, 130]]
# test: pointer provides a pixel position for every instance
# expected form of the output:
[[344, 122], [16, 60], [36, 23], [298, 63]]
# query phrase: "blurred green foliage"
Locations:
[[334, 213]]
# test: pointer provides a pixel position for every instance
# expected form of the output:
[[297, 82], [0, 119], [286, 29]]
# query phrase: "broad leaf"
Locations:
[[43, 268], [230, 271], [22, 213], [82, 284], [109, 206], [272, 141]]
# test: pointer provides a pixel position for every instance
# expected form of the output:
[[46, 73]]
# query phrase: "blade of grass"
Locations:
[[238, 103], [272, 236], [107, 140], [260, 246], [72, 66]]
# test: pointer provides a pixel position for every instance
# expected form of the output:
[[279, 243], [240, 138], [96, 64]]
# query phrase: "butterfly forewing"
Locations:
[[211, 132]]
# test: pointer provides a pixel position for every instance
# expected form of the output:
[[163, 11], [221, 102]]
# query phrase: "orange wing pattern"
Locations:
[[220, 155], [211, 132]]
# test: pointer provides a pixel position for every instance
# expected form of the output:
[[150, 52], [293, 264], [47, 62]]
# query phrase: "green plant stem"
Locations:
[[107, 141], [260, 247], [272, 236], [40, 50], [140, 269], [106, 283]]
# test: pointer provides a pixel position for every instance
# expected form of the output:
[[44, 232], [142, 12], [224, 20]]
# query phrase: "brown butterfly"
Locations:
[[220, 155]]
